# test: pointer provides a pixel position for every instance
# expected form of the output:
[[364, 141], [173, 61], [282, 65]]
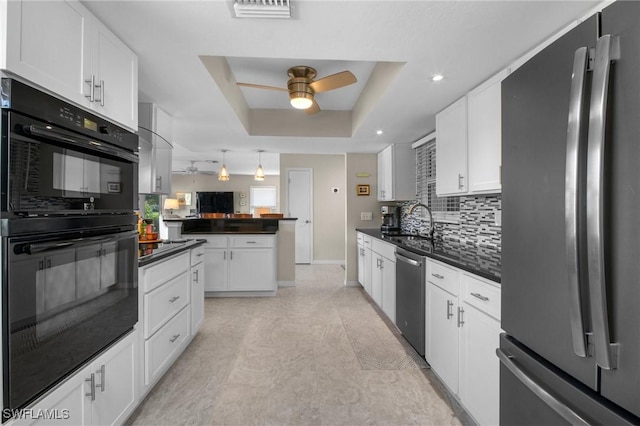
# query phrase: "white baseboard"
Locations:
[[327, 262], [351, 283], [286, 283]]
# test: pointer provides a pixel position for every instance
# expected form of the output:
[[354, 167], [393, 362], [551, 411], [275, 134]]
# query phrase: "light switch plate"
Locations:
[[366, 216]]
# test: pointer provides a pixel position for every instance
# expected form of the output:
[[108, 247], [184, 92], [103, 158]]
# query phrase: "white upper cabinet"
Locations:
[[451, 149], [468, 142], [396, 173], [154, 169], [115, 68], [485, 136], [63, 48]]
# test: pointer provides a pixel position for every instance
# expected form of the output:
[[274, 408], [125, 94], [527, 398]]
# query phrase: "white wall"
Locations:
[[328, 207], [359, 163]]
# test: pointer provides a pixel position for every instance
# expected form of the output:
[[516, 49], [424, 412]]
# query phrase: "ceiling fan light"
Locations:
[[301, 100]]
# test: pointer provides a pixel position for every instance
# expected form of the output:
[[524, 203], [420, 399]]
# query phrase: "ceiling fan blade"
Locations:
[[260, 86], [333, 81], [313, 109]]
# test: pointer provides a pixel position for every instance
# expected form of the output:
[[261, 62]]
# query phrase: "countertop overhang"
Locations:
[[166, 249]]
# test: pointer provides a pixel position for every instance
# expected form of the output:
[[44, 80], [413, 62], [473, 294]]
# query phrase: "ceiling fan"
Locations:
[[192, 169], [302, 87]]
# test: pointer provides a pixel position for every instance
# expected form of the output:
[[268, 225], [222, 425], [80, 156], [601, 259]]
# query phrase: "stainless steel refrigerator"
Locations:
[[571, 228]]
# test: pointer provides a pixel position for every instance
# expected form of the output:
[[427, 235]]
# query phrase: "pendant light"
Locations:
[[259, 171], [223, 174]]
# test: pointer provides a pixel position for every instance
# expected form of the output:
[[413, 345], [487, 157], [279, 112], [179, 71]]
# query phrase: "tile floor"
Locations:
[[318, 354]]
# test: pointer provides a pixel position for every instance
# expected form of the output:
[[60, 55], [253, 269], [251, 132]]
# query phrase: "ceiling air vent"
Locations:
[[262, 8]]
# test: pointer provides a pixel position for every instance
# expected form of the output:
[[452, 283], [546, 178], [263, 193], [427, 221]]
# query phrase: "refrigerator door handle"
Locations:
[[555, 404], [571, 200], [607, 50]]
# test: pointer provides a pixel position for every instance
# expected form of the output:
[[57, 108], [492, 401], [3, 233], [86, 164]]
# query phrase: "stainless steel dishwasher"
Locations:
[[410, 297]]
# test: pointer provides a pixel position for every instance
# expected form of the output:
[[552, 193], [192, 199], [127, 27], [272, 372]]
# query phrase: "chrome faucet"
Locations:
[[431, 227]]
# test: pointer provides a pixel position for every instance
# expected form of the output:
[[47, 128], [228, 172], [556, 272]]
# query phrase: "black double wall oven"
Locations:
[[69, 243]]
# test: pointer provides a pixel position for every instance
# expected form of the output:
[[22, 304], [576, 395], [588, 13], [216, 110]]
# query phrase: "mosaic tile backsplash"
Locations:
[[476, 223]]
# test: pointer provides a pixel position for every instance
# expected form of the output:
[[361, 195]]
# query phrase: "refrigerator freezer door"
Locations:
[[622, 219], [533, 392], [536, 291]]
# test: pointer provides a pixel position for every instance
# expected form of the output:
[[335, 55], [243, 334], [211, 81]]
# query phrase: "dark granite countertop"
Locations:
[[484, 261], [230, 226], [182, 219], [152, 252]]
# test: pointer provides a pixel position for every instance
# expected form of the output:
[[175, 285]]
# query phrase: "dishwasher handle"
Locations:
[[408, 260]]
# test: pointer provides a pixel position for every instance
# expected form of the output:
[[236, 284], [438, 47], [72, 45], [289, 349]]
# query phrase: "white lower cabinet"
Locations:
[[367, 276], [239, 263], [479, 365], [171, 311], [383, 290], [462, 332], [197, 289], [102, 393]]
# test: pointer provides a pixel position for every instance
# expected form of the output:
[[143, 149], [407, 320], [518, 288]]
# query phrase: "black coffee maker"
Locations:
[[390, 219]]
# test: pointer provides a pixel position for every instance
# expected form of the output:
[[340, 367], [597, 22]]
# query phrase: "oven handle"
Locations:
[[35, 248], [63, 136]]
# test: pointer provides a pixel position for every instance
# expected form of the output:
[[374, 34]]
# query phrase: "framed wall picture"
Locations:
[[113, 187], [363, 189], [184, 198]]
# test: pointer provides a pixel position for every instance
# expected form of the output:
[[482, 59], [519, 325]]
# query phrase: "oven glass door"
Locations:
[[69, 296], [53, 170]]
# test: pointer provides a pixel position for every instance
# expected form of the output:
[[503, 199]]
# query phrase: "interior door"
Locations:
[[622, 191], [300, 205], [535, 289]]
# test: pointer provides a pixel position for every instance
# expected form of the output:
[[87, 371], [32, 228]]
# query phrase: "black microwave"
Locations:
[[58, 159]]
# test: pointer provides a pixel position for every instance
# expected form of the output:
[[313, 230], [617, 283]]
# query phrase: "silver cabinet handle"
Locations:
[[479, 296], [174, 338], [195, 275], [381, 263], [568, 414], [460, 317], [231, 255], [250, 242], [173, 299], [460, 184], [92, 84], [438, 276], [101, 92], [101, 372], [449, 310], [571, 200], [92, 387], [607, 50], [158, 183], [200, 254]]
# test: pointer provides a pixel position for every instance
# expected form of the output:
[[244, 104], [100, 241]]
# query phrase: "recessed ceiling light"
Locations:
[[437, 77], [379, 132]]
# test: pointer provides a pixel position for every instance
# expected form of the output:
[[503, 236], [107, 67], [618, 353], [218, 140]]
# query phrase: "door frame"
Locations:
[[310, 170]]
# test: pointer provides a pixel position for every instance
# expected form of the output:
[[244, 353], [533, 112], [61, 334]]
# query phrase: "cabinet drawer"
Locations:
[[161, 349], [158, 274], [481, 294], [366, 240], [163, 303], [251, 241], [384, 249], [446, 277], [216, 242], [197, 255]]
